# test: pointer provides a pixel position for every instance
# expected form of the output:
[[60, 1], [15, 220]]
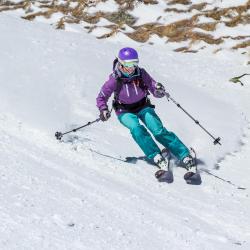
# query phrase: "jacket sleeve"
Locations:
[[149, 81], [106, 91]]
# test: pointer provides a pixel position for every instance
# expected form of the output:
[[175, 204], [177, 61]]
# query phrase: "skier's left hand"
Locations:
[[160, 90]]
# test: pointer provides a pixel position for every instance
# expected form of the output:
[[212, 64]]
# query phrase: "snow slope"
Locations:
[[81, 194]]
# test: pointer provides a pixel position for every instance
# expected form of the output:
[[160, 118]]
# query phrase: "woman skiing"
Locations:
[[131, 86]]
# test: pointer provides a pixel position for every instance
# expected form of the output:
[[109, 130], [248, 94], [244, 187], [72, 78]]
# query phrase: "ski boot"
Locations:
[[163, 174], [192, 176]]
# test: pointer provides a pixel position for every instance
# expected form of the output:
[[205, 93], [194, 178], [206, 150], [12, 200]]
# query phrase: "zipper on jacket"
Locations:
[[127, 90], [135, 88]]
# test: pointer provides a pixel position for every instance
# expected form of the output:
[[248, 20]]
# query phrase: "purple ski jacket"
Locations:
[[130, 91]]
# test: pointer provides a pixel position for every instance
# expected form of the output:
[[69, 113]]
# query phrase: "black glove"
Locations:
[[160, 90], [105, 115]]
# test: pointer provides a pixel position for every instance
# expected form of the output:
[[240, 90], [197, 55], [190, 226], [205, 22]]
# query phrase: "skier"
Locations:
[[131, 86]]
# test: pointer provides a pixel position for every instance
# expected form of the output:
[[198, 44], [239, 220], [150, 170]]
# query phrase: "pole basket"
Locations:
[[217, 141], [58, 135]]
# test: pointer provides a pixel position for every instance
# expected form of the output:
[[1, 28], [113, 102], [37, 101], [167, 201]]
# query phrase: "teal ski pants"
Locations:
[[143, 138]]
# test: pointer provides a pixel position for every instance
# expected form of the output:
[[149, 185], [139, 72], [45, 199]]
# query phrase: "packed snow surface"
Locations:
[[81, 193]]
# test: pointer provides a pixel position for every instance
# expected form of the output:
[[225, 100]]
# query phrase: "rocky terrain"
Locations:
[[189, 25]]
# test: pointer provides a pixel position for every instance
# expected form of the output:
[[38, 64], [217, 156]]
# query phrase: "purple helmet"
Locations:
[[128, 57]]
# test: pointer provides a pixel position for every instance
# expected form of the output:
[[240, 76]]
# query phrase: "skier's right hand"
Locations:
[[105, 115]]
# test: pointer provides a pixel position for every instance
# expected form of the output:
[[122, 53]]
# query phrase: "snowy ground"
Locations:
[[81, 194]]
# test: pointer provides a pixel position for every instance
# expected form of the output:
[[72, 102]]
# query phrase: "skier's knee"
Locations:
[[158, 132], [138, 130]]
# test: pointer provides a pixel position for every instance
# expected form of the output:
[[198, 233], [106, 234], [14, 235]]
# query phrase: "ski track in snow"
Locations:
[[65, 196]]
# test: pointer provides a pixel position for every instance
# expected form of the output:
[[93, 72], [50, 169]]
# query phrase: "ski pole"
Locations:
[[59, 135], [222, 179], [216, 140]]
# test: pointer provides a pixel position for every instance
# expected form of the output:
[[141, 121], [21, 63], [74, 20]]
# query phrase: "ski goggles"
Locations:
[[129, 64]]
